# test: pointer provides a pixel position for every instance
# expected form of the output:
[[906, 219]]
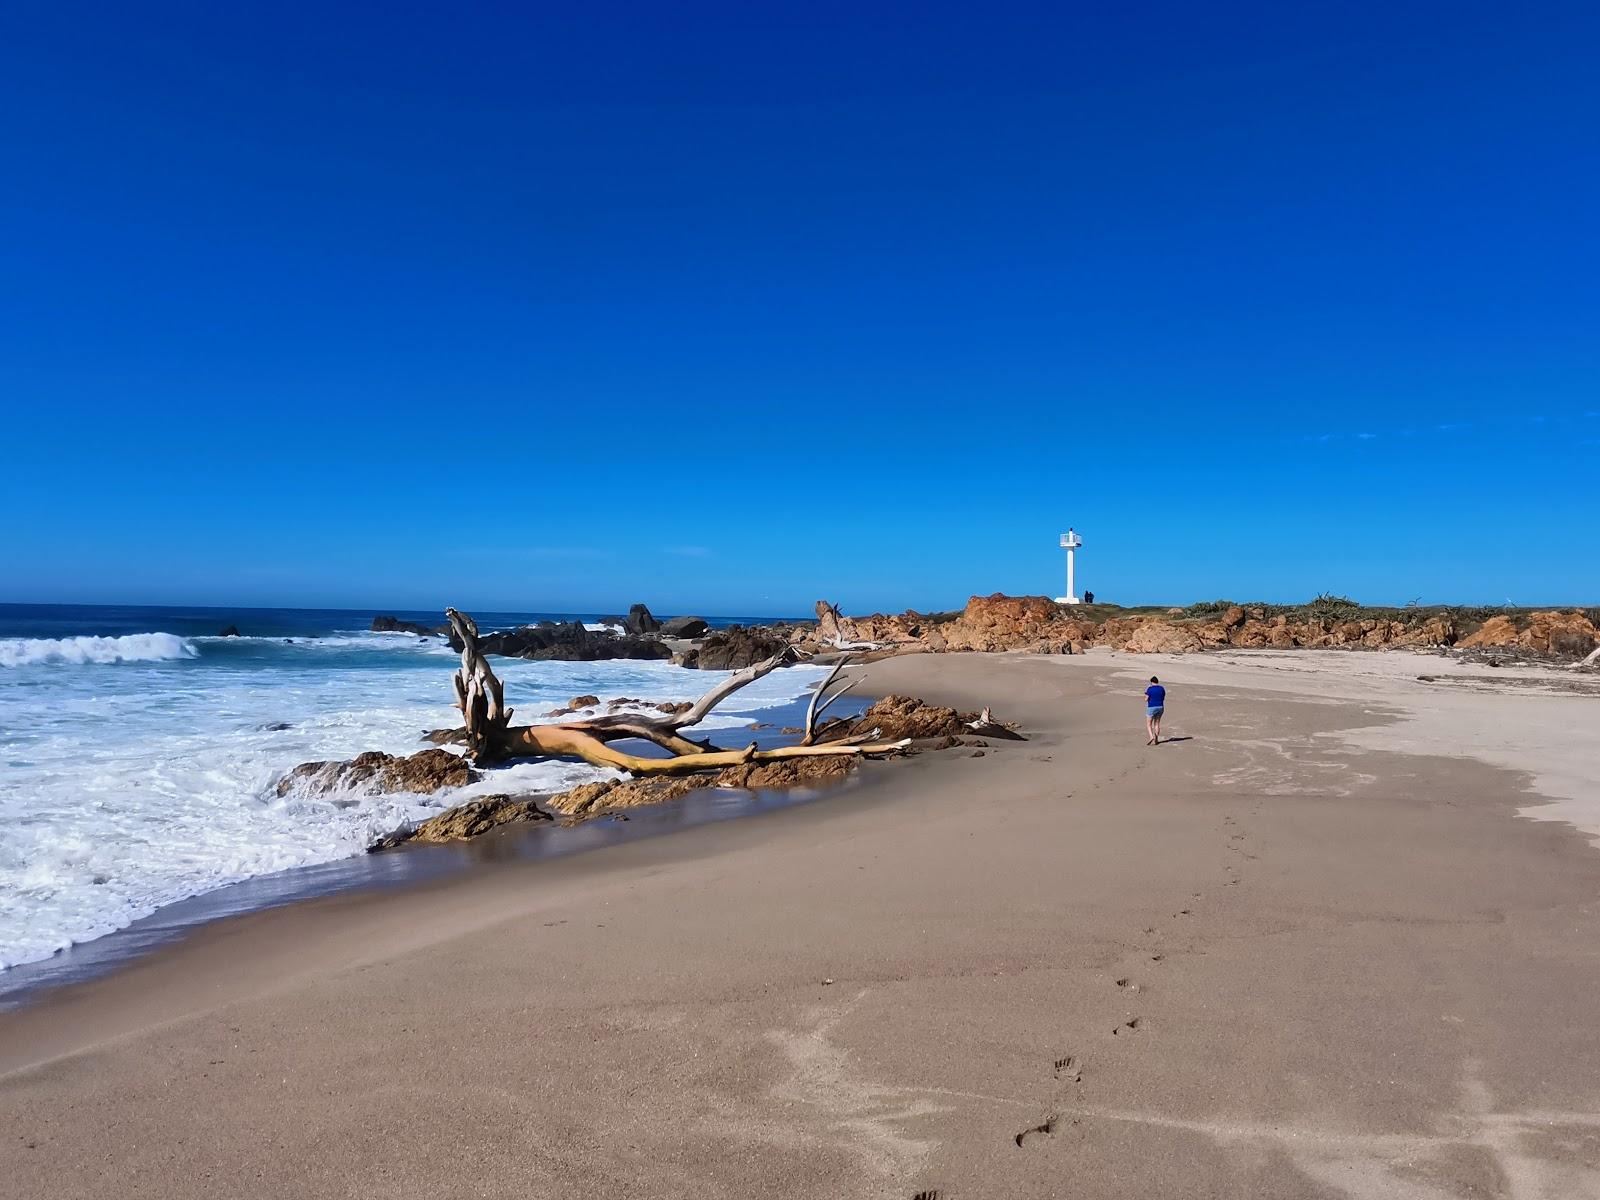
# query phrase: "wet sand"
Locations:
[[1308, 950]]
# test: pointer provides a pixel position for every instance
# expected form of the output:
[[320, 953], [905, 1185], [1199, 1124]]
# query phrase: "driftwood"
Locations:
[[490, 737], [986, 726], [830, 629], [821, 699]]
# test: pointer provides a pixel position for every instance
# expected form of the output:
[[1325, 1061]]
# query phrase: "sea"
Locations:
[[141, 750]]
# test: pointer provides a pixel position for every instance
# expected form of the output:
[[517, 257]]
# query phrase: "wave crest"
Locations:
[[132, 647]]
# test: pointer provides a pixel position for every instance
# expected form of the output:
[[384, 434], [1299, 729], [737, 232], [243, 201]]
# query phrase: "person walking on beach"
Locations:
[[1155, 703]]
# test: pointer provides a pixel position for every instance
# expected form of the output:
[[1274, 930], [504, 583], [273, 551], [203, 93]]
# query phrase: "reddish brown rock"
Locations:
[[425, 772], [787, 772], [1001, 622], [897, 717], [469, 820], [589, 798], [1562, 634], [1162, 637]]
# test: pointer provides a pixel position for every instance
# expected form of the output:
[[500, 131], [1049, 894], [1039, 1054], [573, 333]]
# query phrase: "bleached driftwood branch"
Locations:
[[830, 629], [490, 737], [821, 699]]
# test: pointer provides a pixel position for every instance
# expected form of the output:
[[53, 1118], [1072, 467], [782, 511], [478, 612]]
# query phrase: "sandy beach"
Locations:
[[1312, 947]]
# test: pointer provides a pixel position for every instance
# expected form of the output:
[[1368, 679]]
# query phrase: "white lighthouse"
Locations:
[[1070, 542]]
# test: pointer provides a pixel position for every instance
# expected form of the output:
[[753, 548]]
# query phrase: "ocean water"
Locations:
[[141, 752]]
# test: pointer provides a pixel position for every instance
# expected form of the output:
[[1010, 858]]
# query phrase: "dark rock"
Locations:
[[230, 631], [685, 627], [276, 727], [396, 625], [584, 702], [734, 648], [571, 642], [640, 621]]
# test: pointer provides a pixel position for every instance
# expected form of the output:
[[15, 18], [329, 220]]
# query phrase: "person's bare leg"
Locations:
[[1155, 731], [1150, 731]]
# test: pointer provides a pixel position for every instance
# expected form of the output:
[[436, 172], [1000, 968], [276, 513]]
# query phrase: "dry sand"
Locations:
[[1310, 950]]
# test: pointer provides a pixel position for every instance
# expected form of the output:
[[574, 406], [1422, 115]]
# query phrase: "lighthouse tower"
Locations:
[[1070, 542]]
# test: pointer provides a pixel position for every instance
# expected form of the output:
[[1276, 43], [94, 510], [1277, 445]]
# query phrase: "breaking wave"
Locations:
[[133, 647]]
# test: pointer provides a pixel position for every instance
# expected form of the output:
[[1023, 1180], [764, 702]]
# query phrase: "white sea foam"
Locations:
[[132, 647], [136, 788]]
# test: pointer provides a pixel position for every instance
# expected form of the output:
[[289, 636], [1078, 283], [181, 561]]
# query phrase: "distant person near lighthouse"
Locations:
[[1155, 703]]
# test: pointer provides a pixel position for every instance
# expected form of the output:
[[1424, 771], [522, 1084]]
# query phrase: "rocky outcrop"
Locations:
[[1159, 637], [786, 773], [230, 631], [734, 648], [469, 820], [570, 642], [1001, 622], [1039, 625], [481, 815], [685, 627], [374, 772], [896, 717], [640, 621], [386, 624], [589, 798], [1557, 634]]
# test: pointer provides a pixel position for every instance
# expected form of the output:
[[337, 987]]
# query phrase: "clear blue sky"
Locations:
[[727, 307]]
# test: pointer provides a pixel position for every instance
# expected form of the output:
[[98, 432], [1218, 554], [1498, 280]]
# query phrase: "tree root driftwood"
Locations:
[[490, 737]]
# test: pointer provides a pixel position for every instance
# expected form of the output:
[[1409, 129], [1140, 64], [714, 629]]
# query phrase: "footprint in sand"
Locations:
[[1128, 985], [931, 1194], [1131, 1025], [1045, 1129], [1069, 1069]]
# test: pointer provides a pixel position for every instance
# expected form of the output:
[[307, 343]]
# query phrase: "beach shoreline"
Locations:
[[1225, 938]]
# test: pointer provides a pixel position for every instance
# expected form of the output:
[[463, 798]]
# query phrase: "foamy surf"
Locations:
[[132, 647], [137, 788]]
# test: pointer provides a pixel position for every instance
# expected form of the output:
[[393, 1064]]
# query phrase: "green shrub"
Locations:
[[1328, 607]]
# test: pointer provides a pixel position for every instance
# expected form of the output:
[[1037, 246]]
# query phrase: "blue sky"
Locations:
[[728, 307]]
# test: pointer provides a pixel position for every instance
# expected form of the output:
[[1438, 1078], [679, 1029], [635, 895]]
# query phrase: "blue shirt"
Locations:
[[1155, 696]]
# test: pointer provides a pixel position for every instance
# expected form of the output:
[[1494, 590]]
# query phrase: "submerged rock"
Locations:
[[230, 631], [385, 624], [588, 798], [425, 772], [787, 772], [572, 642], [468, 820]]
